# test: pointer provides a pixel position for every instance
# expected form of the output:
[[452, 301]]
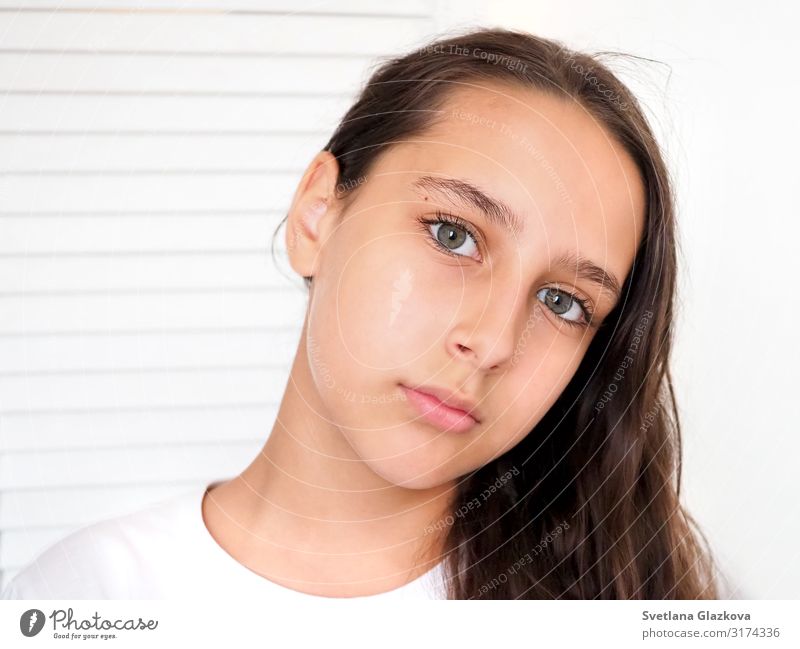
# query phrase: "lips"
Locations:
[[436, 412]]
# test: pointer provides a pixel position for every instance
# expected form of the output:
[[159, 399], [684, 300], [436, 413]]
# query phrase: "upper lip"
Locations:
[[451, 399]]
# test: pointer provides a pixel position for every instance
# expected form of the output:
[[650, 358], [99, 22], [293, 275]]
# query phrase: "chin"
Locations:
[[410, 476]]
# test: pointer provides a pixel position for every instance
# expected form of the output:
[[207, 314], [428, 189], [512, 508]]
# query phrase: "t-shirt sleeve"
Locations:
[[10, 591], [90, 563], [26, 584], [151, 553]]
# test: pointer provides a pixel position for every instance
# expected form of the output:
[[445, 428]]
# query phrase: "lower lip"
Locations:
[[438, 414]]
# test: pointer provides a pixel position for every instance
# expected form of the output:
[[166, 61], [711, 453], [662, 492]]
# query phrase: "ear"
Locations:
[[311, 216]]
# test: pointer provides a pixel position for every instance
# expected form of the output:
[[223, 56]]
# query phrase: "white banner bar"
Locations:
[[352, 623]]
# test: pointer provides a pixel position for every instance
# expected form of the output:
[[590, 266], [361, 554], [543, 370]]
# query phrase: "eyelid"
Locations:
[[460, 222], [584, 303]]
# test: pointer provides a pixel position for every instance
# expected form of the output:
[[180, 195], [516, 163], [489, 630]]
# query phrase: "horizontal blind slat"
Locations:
[[151, 192], [196, 424], [209, 74], [343, 7], [219, 33], [167, 311], [140, 389], [77, 113], [107, 352], [111, 272], [22, 234], [118, 466], [267, 153]]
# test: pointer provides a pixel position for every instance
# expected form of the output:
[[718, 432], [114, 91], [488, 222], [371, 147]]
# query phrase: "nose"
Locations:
[[486, 331]]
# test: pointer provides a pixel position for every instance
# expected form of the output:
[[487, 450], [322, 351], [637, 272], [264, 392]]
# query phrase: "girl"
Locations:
[[480, 406]]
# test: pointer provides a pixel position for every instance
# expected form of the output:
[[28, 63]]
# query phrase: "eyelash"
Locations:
[[451, 219], [588, 314]]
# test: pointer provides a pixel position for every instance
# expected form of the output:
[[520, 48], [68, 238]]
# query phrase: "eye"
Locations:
[[450, 234], [567, 306]]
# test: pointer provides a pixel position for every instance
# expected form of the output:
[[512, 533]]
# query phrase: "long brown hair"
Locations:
[[589, 505]]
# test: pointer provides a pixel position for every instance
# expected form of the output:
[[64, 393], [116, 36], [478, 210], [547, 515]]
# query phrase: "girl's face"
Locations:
[[454, 268]]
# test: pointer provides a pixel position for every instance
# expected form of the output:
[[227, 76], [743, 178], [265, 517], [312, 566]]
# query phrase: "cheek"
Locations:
[[391, 304], [368, 311], [545, 369]]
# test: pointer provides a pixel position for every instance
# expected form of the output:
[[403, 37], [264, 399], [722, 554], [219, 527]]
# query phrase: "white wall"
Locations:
[[147, 158], [146, 335], [726, 106]]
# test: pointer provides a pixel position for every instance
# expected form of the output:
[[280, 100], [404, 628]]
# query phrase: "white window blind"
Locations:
[[149, 151]]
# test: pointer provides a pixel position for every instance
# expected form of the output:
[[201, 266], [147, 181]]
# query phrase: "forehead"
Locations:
[[553, 163]]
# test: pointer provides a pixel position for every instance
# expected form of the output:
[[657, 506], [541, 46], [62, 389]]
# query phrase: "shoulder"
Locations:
[[118, 558]]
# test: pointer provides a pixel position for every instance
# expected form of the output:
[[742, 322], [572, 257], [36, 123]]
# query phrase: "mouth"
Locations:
[[435, 412]]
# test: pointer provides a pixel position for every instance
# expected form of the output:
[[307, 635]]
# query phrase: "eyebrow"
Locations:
[[498, 213], [591, 272]]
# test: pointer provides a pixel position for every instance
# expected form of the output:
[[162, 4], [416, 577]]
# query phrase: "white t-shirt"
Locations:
[[163, 551]]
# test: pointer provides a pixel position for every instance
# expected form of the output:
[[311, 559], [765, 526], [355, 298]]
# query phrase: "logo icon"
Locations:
[[31, 622]]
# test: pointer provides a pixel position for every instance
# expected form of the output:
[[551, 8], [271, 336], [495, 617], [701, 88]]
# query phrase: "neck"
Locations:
[[310, 514]]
